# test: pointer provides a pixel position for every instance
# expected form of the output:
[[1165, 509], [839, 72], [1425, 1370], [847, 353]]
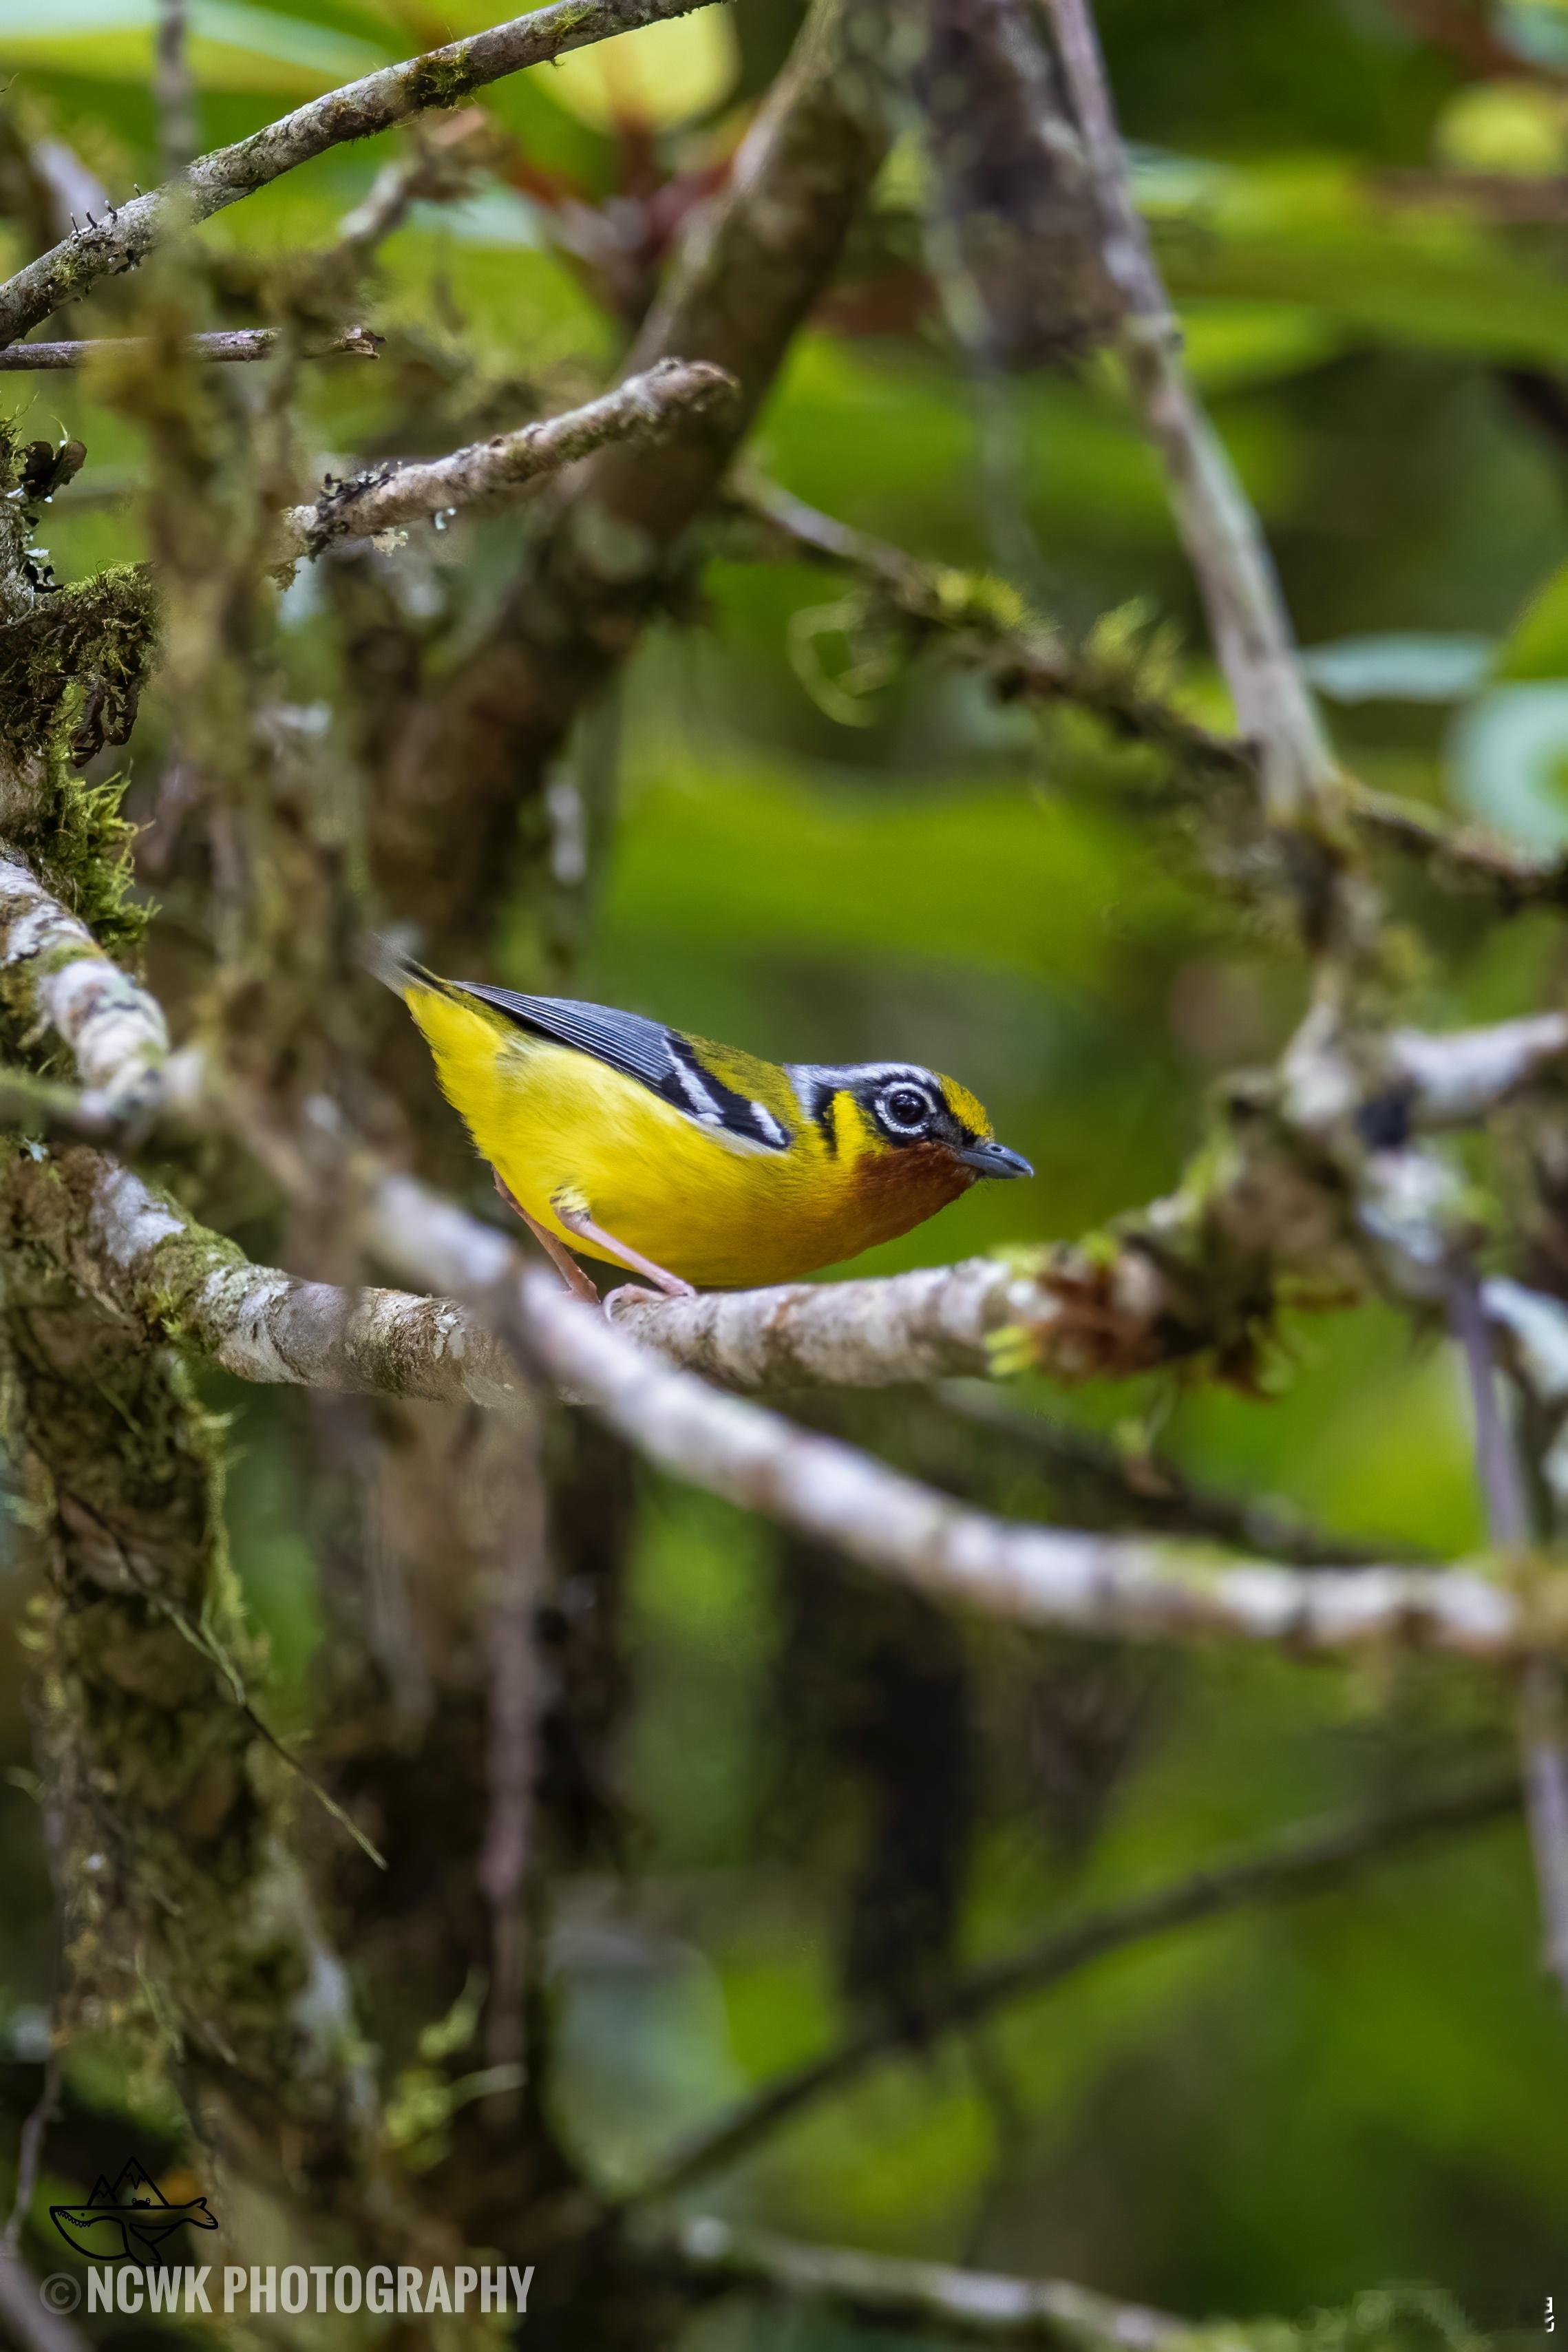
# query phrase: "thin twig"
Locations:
[[230, 343], [1027, 659], [173, 89], [640, 410], [1152, 1491], [1497, 1457], [1252, 633], [1543, 1737], [518, 1545], [30, 2153], [1304, 1863], [36, 2326], [441, 78], [440, 167]]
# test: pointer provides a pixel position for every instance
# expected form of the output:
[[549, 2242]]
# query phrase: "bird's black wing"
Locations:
[[628, 1042], [661, 1059]]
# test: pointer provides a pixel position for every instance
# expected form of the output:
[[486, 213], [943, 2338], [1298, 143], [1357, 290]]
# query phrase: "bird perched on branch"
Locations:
[[686, 1163]]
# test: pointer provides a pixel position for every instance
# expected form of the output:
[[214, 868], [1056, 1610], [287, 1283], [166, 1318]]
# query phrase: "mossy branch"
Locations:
[[441, 78]]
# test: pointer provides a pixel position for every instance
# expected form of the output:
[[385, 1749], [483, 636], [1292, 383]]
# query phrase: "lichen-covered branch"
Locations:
[[441, 78], [1123, 1586], [135, 1250], [55, 971], [1126, 1587], [884, 2291], [643, 409], [1199, 1273], [227, 344]]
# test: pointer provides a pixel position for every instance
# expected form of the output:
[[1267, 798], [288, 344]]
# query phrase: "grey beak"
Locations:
[[994, 1160]]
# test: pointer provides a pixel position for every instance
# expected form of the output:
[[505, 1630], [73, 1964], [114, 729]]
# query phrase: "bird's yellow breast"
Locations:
[[558, 1125]]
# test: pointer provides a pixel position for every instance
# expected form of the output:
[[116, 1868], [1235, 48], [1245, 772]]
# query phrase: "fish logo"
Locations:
[[129, 2222]]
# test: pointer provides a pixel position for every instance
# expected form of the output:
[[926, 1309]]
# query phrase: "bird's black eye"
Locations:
[[905, 1108]]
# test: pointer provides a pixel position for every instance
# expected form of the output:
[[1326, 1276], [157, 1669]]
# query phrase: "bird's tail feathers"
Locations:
[[387, 960]]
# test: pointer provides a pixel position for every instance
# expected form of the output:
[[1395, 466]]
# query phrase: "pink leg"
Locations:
[[565, 1265], [671, 1283]]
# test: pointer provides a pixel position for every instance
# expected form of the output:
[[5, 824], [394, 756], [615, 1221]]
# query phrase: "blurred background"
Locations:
[[827, 1799]]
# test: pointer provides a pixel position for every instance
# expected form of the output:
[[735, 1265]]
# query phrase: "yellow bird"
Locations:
[[688, 1162]]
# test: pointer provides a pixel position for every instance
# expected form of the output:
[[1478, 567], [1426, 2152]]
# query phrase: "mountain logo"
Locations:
[[128, 2222]]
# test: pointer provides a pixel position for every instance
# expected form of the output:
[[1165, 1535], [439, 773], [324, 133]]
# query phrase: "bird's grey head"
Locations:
[[906, 1104]]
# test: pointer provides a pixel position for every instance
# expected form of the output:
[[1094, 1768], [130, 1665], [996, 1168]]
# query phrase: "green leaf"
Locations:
[[1537, 646], [1401, 666], [233, 46], [1510, 754]]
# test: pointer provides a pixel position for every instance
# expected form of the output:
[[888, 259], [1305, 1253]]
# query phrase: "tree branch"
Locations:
[[273, 1329], [230, 343], [968, 2307], [1235, 575], [1148, 1489], [441, 78], [1303, 1862], [1027, 659], [137, 1250], [174, 88], [115, 1031], [644, 409], [38, 2327], [1129, 1586], [751, 267]]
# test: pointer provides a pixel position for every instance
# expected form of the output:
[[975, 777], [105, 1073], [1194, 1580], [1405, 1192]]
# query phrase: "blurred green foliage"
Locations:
[[1268, 2115]]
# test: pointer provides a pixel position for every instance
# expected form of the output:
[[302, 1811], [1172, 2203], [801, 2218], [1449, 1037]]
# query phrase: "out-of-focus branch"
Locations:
[[1304, 1863], [644, 409], [225, 344], [122, 1242], [174, 88], [1235, 575], [36, 2326], [1148, 1489], [1463, 857], [1543, 1736], [444, 154], [987, 629], [880, 2291], [44, 185], [441, 78], [753, 263]]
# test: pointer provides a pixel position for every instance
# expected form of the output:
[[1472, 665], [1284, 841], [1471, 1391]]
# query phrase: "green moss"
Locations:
[[81, 654], [978, 600], [71, 672], [444, 79]]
